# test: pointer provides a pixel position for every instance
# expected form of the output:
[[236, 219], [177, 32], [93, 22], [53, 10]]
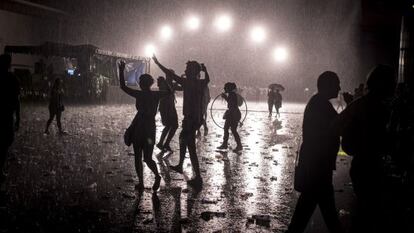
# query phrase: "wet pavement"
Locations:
[[85, 181]]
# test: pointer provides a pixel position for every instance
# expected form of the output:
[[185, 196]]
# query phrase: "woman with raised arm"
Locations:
[[143, 125]]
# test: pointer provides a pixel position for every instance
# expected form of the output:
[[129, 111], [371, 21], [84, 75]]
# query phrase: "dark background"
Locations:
[[345, 36]]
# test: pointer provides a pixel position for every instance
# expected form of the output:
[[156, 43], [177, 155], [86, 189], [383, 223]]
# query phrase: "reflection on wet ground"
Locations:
[[84, 181]]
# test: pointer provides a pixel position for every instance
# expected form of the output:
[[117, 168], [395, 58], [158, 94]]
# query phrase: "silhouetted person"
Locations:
[[365, 137], [56, 106], [232, 116], [206, 100], [192, 111], [274, 98], [317, 158], [168, 113], [143, 125], [10, 105]]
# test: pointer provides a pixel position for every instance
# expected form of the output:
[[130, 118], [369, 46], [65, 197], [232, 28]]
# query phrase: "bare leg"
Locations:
[[183, 149], [226, 135], [148, 149], [236, 135], [270, 107], [171, 134], [163, 135], [138, 165], [59, 124], [51, 116], [193, 154], [205, 123]]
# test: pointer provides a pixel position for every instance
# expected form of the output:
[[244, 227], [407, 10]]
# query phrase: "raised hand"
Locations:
[[155, 59]]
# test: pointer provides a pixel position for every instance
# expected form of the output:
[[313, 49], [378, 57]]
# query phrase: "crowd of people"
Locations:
[[364, 124]]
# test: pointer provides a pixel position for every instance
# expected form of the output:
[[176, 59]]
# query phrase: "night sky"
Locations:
[[345, 36]]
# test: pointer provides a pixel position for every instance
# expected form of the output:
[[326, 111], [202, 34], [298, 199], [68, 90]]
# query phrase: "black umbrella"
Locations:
[[276, 86]]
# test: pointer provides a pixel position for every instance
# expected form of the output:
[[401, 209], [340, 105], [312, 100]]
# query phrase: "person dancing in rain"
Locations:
[[56, 106], [232, 116], [192, 111], [143, 125], [168, 113]]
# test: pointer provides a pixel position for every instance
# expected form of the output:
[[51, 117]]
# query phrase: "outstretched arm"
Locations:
[[126, 89], [167, 71]]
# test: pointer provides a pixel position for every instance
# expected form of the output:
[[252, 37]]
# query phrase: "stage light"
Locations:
[[258, 34], [280, 54], [223, 23], [193, 23], [166, 32], [149, 50]]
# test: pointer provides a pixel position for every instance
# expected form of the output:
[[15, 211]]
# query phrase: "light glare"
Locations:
[[280, 54], [149, 50], [223, 23], [166, 32], [258, 34], [193, 23]]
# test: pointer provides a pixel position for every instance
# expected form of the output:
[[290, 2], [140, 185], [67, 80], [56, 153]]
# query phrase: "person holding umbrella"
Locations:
[[274, 98]]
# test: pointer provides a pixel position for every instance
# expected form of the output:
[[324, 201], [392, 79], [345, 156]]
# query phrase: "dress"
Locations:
[[144, 121]]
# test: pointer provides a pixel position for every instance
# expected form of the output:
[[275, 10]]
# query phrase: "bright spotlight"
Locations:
[[166, 32], [258, 34], [193, 23], [149, 50], [223, 23], [280, 54]]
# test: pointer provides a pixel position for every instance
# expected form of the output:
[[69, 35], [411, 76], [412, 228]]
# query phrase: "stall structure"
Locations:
[[87, 71]]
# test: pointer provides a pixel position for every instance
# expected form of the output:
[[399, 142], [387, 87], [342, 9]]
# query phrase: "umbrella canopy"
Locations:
[[276, 86]]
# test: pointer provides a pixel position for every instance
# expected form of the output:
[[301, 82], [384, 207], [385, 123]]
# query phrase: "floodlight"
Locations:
[[223, 23], [166, 32], [149, 50], [280, 54], [193, 23], [258, 34]]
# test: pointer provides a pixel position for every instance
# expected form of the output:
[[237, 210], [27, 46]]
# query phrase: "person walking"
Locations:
[[277, 101], [232, 116], [56, 106], [274, 98], [317, 158], [365, 136]]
